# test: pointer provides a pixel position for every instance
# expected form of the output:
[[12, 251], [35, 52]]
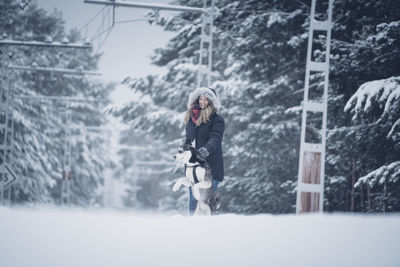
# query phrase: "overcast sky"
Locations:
[[128, 47]]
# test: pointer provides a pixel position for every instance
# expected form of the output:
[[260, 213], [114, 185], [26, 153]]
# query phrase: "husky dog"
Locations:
[[198, 176]]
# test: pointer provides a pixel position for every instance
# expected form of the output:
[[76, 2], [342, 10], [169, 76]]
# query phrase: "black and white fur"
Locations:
[[203, 190]]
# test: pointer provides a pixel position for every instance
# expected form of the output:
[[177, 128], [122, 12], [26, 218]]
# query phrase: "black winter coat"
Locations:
[[209, 135]]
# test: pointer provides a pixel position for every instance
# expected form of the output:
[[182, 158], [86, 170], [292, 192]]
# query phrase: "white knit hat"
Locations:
[[207, 92]]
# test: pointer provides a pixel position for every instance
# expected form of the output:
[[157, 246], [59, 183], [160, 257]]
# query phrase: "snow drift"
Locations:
[[43, 237]]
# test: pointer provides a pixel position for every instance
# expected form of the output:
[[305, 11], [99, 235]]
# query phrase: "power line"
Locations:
[[90, 20], [131, 20], [104, 40], [101, 33]]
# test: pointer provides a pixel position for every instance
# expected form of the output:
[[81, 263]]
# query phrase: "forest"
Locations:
[[259, 61]]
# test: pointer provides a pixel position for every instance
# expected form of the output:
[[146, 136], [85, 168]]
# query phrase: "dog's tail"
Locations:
[[214, 202], [218, 199]]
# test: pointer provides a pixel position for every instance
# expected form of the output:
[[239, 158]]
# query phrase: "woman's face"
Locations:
[[203, 102]]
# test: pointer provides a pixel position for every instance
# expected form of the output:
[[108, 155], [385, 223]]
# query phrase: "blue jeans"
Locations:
[[193, 201]]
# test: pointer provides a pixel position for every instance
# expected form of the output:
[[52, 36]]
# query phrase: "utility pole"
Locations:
[[310, 185], [206, 44], [66, 163], [7, 176]]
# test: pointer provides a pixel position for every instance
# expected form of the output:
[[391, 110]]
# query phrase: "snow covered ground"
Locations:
[[56, 238]]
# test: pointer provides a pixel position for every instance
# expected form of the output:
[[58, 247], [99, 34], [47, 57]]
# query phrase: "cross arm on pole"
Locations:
[[60, 70], [59, 98], [145, 5], [44, 44]]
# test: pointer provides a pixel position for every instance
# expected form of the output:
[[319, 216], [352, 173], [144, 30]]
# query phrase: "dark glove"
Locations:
[[186, 146], [203, 152]]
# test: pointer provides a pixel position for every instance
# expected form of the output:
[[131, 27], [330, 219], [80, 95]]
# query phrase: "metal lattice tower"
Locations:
[[6, 121], [206, 44], [310, 186], [65, 197], [7, 105], [6, 130], [205, 53]]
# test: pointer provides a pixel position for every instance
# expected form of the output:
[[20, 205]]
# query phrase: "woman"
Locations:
[[206, 128]]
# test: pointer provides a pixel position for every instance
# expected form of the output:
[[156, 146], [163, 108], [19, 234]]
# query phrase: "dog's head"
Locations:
[[184, 154], [189, 154]]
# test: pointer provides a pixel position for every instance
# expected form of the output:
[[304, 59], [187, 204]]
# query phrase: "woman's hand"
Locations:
[[203, 152]]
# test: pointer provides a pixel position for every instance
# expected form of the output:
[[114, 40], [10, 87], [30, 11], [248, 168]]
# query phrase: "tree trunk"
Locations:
[[369, 197], [384, 202], [362, 198], [353, 181]]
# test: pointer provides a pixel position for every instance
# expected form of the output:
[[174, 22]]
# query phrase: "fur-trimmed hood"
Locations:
[[207, 92]]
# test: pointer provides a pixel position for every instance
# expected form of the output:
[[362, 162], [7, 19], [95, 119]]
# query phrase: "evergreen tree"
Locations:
[[365, 47], [40, 126]]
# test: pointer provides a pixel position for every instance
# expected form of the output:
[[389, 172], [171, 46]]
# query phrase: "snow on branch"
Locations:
[[394, 127], [385, 174], [383, 92]]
